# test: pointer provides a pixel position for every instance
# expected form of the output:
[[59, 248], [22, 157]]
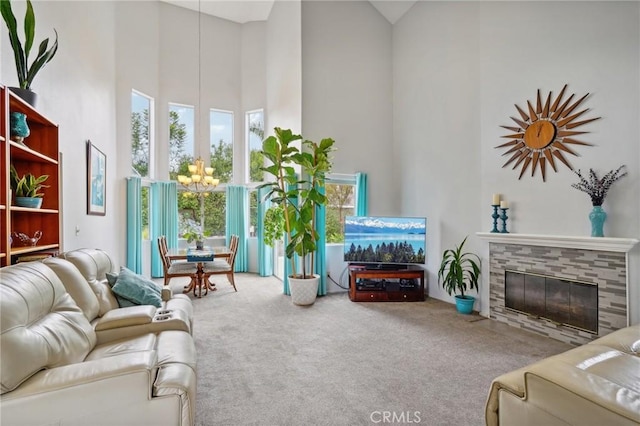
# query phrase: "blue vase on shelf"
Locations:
[[597, 218], [18, 127]]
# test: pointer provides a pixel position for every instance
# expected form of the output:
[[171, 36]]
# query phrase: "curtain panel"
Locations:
[[265, 252], [361, 206], [237, 216], [134, 224], [164, 221]]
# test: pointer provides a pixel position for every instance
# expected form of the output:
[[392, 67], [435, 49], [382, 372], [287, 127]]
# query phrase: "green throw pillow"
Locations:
[[122, 302], [136, 289]]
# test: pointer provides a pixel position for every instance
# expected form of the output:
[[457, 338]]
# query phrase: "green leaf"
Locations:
[[29, 29]]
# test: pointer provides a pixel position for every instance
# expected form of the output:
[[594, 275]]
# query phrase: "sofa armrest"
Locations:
[[125, 317], [606, 382], [83, 373], [104, 391], [512, 382]]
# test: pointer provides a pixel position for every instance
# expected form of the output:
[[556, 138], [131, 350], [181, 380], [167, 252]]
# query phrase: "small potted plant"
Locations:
[[194, 233], [26, 188], [295, 198], [458, 272], [26, 73]]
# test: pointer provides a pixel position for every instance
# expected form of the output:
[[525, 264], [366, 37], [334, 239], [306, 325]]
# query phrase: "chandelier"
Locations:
[[201, 180]]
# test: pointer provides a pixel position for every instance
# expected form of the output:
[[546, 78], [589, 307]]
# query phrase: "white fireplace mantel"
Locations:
[[622, 245]]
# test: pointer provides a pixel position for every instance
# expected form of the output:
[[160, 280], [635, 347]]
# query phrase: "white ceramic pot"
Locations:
[[304, 291]]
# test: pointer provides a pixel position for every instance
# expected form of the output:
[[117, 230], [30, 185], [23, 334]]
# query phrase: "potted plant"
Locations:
[[194, 233], [295, 199], [26, 188], [26, 72], [458, 271]]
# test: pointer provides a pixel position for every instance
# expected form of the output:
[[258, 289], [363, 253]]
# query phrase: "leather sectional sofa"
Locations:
[[594, 384], [71, 356]]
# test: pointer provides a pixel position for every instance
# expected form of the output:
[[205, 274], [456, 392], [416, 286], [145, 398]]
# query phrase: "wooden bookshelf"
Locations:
[[39, 155]]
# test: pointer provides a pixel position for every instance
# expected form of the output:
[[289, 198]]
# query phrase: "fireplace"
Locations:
[[566, 302], [572, 289]]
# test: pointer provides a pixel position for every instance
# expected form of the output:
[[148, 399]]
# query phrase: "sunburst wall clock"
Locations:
[[545, 134]]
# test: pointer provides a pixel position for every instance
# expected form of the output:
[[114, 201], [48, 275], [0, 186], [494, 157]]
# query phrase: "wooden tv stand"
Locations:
[[380, 285]]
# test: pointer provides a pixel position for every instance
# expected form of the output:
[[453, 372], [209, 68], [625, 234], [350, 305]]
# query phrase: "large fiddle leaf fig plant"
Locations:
[[296, 197], [26, 72]]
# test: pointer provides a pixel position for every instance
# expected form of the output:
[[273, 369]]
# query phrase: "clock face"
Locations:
[[544, 134]]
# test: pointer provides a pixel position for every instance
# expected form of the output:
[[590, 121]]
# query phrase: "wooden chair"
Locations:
[[176, 269], [223, 266]]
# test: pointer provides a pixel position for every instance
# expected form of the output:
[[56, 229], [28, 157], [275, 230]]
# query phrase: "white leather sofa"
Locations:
[[594, 384], [83, 273], [58, 366]]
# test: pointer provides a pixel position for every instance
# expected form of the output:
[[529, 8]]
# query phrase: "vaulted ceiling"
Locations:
[[243, 11]]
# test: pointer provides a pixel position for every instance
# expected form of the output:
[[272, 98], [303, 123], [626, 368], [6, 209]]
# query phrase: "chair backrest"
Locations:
[[233, 247], [164, 252]]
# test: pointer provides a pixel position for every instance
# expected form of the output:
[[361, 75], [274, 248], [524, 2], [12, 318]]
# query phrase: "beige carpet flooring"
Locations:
[[264, 361]]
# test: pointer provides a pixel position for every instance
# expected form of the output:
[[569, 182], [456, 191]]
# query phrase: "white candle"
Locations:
[[504, 205], [496, 199]]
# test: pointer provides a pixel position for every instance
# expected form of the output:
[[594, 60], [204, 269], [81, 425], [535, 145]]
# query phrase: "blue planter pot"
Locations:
[[464, 304], [32, 202]]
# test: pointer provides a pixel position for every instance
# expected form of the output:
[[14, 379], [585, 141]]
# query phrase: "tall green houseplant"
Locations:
[[297, 197], [26, 72]]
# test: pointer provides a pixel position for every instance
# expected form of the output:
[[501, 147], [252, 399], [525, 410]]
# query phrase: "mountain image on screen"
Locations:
[[388, 240]]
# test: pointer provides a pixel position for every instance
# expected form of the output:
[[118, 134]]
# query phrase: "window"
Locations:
[[254, 124], [340, 203], [144, 202], [253, 213], [181, 139], [141, 134], [221, 123]]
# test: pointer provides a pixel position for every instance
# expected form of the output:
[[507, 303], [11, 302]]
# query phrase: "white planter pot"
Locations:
[[304, 291]]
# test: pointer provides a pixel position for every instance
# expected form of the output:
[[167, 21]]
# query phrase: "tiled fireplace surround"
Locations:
[[600, 261]]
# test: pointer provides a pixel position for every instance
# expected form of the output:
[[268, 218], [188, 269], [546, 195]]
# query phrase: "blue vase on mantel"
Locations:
[[597, 218]]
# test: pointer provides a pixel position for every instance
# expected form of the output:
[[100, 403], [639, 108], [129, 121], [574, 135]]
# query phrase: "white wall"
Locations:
[[284, 75], [347, 92], [454, 85], [137, 68]]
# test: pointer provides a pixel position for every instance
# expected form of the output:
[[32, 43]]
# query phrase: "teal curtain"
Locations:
[[265, 253], [287, 262], [320, 265], [163, 208], [238, 222], [134, 224], [361, 194]]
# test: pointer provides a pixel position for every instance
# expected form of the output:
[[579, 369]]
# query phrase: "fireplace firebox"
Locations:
[[567, 302]]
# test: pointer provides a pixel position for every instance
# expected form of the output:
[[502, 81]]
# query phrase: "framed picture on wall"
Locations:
[[96, 180]]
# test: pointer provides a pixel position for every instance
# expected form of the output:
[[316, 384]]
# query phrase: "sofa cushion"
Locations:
[[76, 286], [93, 264], [122, 302], [137, 289], [40, 325]]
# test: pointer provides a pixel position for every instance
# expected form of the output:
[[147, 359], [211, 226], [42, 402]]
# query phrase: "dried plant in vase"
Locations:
[[597, 190]]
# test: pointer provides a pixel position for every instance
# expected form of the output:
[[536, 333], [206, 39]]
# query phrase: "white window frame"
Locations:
[[152, 135], [247, 146]]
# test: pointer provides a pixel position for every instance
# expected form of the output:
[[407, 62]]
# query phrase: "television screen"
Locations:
[[385, 240]]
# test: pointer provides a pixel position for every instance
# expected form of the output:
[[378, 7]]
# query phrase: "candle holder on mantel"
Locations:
[[495, 217], [504, 218]]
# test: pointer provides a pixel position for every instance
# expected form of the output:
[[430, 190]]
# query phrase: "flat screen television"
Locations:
[[385, 242]]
